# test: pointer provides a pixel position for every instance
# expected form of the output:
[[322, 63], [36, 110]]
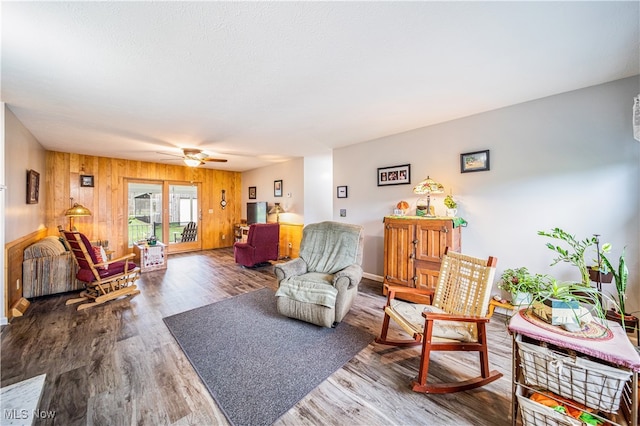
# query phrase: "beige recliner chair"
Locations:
[[320, 286]]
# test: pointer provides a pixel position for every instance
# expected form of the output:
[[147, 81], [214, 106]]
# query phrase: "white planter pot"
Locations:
[[518, 299]]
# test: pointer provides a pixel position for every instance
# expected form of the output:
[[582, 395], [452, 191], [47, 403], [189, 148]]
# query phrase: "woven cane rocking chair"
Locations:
[[103, 281], [454, 321]]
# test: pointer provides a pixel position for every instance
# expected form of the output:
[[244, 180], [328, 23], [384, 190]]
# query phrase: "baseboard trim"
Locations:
[[373, 277]]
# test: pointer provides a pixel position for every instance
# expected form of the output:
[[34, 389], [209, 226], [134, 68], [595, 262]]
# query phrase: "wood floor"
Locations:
[[117, 364]]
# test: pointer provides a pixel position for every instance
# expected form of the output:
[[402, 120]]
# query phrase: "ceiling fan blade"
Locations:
[[215, 160], [171, 154]]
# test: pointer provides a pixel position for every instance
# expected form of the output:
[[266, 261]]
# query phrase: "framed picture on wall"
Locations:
[[277, 188], [474, 161], [252, 192], [86, 180], [33, 186], [394, 175]]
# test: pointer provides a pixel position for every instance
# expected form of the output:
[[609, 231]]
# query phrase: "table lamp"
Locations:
[[428, 186], [76, 210], [276, 209]]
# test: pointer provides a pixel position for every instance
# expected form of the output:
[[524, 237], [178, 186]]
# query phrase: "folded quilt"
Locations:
[[331, 247], [309, 290]]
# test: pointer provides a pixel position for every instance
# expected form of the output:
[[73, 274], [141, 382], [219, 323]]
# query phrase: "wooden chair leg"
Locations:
[[76, 300], [483, 353], [425, 356], [486, 376], [383, 336], [385, 329]]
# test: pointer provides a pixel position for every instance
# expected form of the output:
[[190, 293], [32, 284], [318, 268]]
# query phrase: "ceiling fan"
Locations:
[[193, 157]]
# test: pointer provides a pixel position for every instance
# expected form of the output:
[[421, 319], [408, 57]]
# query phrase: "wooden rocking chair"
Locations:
[[454, 321], [189, 233], [103, 281]]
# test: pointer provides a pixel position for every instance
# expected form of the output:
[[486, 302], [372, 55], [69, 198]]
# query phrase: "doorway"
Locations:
[[167, 210]]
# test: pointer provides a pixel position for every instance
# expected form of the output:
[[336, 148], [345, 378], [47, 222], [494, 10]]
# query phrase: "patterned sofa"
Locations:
[[47, 268]]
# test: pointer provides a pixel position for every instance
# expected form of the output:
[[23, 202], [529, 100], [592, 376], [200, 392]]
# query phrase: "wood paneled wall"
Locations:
[[107, 200], [13, 257]]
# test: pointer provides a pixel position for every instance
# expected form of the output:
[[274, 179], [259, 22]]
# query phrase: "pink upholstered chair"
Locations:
[[261, 246]]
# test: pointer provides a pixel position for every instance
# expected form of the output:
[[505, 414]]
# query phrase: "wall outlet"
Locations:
[[343, 212], [290, 245], [224, 236]]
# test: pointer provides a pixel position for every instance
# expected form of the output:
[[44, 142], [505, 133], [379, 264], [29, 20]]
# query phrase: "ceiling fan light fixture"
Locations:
[[192, 162]]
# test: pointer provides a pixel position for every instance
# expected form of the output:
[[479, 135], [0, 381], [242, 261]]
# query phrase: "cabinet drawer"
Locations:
[[427, 276]]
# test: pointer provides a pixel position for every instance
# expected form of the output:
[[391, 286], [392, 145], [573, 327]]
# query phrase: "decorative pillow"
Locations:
[[101, 256]]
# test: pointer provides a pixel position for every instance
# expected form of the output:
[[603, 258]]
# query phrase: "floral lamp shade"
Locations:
[[426, 187]]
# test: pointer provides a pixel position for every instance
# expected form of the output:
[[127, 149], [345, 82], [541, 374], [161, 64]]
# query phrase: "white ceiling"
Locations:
[[261, 82]]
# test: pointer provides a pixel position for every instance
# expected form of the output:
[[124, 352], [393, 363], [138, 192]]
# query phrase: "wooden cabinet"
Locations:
[[290, 237], [413, 249]]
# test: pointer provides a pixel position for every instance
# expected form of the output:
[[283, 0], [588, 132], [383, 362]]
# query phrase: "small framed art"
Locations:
[[342, 192], [86, 180], [394, 175], [474, 161], [33, 187], [277, 188], [252, 192]]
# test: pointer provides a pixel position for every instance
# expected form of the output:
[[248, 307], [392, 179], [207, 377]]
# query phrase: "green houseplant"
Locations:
[[566, 297], [451, 205], [620, 276], [575, 254], [521, 284], [449, 202]]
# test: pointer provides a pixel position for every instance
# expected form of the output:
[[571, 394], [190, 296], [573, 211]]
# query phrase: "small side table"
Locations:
[[493, 304], [150, 258]]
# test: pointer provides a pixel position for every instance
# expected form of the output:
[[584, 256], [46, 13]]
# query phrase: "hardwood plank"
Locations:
[[117, 363]]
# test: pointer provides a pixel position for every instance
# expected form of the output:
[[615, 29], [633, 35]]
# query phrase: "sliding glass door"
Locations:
[[167, 210], [144, 211], [184, 215]]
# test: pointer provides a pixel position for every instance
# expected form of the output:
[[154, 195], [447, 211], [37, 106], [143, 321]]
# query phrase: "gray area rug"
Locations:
[[256, 363]]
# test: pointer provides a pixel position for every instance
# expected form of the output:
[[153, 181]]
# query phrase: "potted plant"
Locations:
[[620, 277], [451, 205], [521, 284], [599, 268], [598, 272], [574, 255], [563, 304]]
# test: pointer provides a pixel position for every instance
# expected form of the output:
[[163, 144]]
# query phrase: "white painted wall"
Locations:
[[3, 193], [22, 152], [318, 187], [293, 199], [567, 161]]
